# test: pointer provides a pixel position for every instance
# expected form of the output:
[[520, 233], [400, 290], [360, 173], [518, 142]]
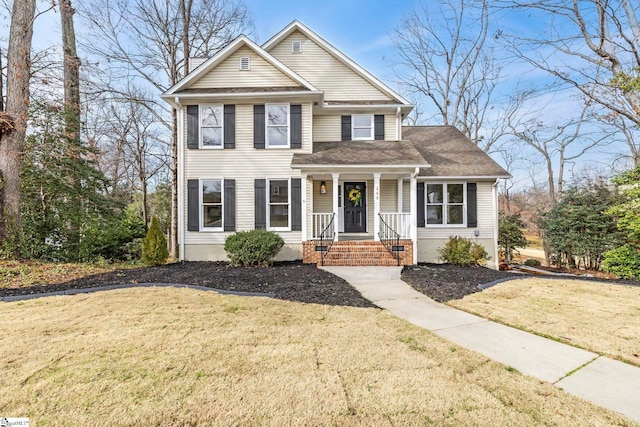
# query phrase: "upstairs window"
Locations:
[[445, 204], [362, 126], [296, 46], [277, 122], [211, 126], [245, 63], [211, 204]]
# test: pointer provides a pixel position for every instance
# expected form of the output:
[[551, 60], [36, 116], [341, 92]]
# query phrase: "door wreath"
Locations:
[[355, 196]]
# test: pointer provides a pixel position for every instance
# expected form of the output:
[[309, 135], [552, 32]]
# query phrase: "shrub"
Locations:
[[623, 261], [532, 262], [463, 252], [255, 247], [154, 245]]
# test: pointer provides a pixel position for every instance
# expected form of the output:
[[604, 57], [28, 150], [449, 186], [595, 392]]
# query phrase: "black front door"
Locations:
[[355, 207]]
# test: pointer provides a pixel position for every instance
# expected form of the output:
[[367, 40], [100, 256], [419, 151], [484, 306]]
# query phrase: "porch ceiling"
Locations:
[[382, 155]]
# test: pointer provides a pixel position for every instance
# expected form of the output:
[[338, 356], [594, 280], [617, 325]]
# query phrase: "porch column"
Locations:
[[376, 206], [303, 206], [414, 217], [336, 217], [400, 190]]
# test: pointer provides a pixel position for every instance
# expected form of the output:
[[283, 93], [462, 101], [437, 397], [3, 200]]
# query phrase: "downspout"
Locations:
[[398, 124], [414, 213], [180, 167], [494, 197]]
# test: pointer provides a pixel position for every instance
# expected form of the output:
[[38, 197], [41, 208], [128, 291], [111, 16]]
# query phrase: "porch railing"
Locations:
[[319, 222], [400, 222], [389, 238], [327, 237]]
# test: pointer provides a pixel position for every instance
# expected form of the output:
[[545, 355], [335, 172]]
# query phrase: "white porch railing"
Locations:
[[400, 222], [319, 222]]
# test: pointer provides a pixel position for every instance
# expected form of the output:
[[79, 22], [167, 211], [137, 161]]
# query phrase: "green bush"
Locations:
[[623, 261], [255, 247], [463, 252], [532, 262], [154, 245]]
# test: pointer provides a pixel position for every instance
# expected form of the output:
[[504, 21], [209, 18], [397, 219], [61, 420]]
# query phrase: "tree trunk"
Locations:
[[72, 112], [174, 187], [12, 141]]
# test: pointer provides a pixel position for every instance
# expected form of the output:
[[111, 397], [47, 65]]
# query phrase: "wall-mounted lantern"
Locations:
[[323, 187]]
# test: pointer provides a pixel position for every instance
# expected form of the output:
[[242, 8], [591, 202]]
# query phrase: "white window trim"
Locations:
[[445, 203], [354, 127], [201, 204], [266, 126], [242, 58], [268, 189], [293, 43], [211, 147]]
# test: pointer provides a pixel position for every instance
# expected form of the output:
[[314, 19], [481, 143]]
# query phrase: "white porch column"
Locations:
[[303, 207], [400, 190], [414, 217], [376, 206], [336, 217]]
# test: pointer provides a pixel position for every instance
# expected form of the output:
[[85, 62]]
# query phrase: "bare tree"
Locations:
[[14, 119], [445, 58], [150, 42], [592, 46]]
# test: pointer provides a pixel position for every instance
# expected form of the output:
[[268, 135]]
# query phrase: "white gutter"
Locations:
[[241, 95], [180, 183], [494, 199], [398, 124]]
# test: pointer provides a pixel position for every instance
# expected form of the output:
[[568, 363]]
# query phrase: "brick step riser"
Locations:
[[352, 263]]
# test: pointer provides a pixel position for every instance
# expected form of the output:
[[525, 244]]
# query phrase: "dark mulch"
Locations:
[[445, 282], [291, 281]]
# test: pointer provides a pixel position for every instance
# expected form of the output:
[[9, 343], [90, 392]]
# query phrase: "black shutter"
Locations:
[[229, 126], [193, 205], [472, 205], [420, 204], [296, 126], [193, 127], [378, 126], [229, 205], [258, 126], [346, 128], [296, 204], [260, 198]]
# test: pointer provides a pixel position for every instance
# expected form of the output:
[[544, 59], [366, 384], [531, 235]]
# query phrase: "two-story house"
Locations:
[[294, 136]]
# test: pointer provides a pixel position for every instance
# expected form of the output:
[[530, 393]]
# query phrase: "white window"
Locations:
[[211, 202], [445, 204], [211, 126], [296, 46], [278, 204], [245, 63], [361, 126], [277, 125]]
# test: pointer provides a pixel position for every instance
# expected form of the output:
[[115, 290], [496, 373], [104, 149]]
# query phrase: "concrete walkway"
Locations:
[[606, 382]]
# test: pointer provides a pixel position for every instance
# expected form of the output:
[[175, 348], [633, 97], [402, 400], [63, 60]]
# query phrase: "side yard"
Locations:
[[208, 359]]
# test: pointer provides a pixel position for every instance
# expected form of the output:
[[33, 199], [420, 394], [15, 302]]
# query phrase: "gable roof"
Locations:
[[451, 154], [348, 62], [227, 51]]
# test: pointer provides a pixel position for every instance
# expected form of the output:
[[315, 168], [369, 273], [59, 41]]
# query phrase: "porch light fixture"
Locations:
[[323, 187]]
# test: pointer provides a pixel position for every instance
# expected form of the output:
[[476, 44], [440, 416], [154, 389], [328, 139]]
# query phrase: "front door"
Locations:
[[355, 207]]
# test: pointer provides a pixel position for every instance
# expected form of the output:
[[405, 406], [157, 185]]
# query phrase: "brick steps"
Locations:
[[357, 253]]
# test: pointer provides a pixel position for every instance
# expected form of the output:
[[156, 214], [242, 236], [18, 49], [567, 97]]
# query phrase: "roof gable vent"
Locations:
[[245, 63], [296, 46]]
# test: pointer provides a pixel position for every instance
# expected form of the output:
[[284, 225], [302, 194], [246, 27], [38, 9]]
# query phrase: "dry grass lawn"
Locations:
[[162, 356], [600, 317], [17, 274]]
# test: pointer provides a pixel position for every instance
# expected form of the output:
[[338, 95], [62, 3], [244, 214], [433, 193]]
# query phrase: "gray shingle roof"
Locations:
[[387, 153], [450, 153]]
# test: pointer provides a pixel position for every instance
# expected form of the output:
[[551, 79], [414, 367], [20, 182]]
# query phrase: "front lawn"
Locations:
[[165, 356], [597, 316]]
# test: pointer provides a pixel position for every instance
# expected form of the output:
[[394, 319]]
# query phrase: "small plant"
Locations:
[[463, 252], [532, 262], [154, 245], [623, 261], [255, 247]]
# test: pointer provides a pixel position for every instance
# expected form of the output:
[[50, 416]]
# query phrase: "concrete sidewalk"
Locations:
[[606, 382]]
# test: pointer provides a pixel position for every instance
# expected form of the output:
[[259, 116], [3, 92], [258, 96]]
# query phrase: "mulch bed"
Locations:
[[291, 281], [445, 282]]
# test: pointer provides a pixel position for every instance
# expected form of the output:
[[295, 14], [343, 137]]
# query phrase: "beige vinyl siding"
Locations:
[[388, 196], [322, 203], [329, 127], [406, 196], [227, 74], [485, 219], [244, 164], [325, 71]]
